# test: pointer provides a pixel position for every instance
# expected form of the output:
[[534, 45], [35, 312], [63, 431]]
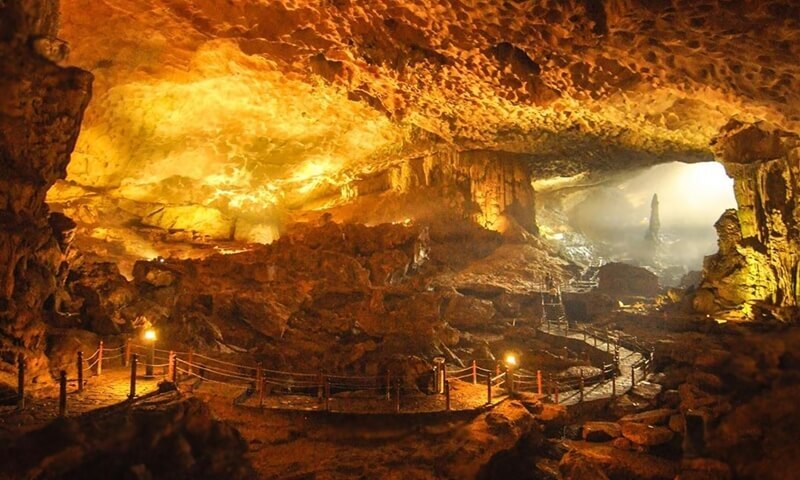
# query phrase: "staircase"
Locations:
[[553, 314]]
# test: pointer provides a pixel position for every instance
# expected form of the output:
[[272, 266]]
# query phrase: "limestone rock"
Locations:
[[645, 434], [40, 116], [601, 431], [468, 312], [619, 279], [650, 417], [121, 442]]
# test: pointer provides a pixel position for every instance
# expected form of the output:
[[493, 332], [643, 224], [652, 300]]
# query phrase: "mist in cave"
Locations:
[[691, 197]]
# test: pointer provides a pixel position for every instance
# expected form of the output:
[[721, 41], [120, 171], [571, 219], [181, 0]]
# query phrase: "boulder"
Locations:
[[468, 312], [620, 279], [601, 431], [650, 417], [646, 435], [575, 465]]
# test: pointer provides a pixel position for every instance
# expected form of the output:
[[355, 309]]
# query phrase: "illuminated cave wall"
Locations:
[[758, 264], [229, 120], [41, 106]]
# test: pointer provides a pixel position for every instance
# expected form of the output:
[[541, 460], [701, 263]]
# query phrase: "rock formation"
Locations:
[[757, 263], [653, 234], [167, 435], [238, 117], [40, 117], [622, 280]]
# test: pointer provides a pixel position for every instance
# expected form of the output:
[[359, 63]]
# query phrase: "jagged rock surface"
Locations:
[[759, 247], [40, 117], [164, 436]]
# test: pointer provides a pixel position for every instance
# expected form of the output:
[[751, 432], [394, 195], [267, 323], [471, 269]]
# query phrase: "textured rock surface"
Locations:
[[40, 115], [620, 279], [164, 436], [759, 246], [256, 109]]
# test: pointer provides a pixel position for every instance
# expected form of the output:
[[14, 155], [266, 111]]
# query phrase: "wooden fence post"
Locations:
[[397, 396], [556, 395], [134, 363], [259, 376], [127, 357], [320, 386], [582, 386], [510, 381], [539, 381], [20, 381], [191, 360], [261, 390], [474, 372], [100, 359], [447, 395], [613, 383], [62, 394], [388, 385], [80, 371], [327, 394], [172, 371], [633, 376], [488, 388]]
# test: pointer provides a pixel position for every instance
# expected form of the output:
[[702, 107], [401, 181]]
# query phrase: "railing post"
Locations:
[[497, 369], [447, 395], [62, 394], [539, 381], [583, 381], [261, 390], [100, 359], [510, 380], [80, 371], [613, 383], [488, 388], [151, 360], [633, 376], [134, 364], [320, 385], [388, 385], [260, 374], [127, 357], [191, 361], [556, 395], [474, 372], [172, 371], [20, 381], [397, 396], [327, 394]]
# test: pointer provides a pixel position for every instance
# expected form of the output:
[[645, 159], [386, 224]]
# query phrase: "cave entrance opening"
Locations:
[[661, 217]]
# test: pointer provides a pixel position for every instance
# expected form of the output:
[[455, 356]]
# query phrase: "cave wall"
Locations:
[[40, 115], [494, 189], [760, 246]]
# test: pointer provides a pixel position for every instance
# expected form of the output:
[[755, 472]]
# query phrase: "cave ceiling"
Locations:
[[250, 108]]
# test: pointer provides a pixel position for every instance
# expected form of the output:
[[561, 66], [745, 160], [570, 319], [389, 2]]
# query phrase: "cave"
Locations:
[[392, 239]]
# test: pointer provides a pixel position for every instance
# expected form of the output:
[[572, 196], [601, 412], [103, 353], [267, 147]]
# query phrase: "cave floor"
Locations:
[[111, 388]]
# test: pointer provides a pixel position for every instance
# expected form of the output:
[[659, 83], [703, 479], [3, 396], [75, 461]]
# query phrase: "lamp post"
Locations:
[[511, 363], [150, 339]]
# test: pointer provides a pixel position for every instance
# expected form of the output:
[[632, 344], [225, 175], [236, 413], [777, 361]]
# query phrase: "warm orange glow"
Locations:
[[149, 335], [511, 360]]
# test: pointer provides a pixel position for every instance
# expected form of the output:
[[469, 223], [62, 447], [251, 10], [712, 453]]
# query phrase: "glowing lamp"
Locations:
[[150, 335], [511, 360]]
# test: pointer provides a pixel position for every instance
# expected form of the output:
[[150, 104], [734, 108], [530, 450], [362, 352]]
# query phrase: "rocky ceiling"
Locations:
[[205, 110]]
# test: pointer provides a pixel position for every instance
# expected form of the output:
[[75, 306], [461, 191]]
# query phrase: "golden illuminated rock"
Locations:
[[263, 108]]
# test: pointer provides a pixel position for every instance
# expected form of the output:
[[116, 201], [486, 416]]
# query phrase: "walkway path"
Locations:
[[111, 388], [628, 359]]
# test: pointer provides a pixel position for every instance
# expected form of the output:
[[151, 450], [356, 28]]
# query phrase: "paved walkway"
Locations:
[[111, 388], [627, 358]]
